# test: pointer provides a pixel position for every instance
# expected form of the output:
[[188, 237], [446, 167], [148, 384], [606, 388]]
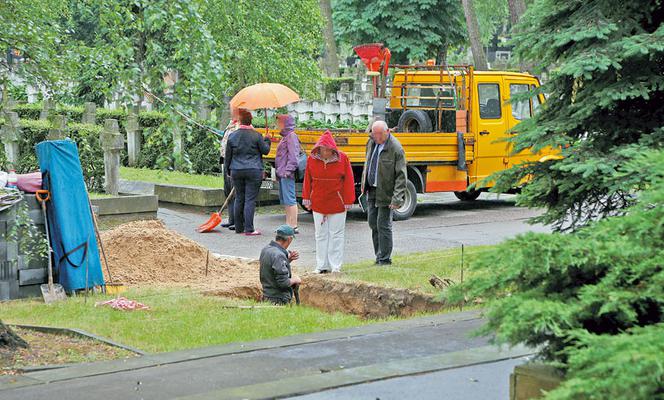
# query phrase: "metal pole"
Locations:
[[464, 297]]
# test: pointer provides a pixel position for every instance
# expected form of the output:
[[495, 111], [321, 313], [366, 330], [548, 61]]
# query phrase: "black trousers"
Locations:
[[228, 186], [247, 183], [380, 222]]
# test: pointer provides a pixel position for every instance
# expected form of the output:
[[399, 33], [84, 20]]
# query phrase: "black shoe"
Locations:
[[231, 227], [226, 225], [384, 262]]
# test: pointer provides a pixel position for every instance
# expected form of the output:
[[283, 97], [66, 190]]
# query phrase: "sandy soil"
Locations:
[[146, 253]]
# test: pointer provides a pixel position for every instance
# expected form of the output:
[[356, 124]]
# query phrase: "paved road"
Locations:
[[293, 365], [441, 221], [481, 382]]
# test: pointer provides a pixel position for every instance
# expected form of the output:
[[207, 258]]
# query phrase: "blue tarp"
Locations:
[[69, 217]]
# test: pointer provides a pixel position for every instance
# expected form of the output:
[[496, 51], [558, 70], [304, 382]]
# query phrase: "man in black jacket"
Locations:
[[275, 269]]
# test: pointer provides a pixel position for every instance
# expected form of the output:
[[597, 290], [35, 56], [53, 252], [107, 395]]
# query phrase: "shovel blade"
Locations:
[[53, 293], [210, 224]]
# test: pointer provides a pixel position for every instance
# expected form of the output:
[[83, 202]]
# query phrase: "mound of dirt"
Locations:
[[146, 253]]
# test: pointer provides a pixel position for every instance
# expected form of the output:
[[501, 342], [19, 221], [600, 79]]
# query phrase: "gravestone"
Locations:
[[49, 105], [11, 135], [89, 113], [134, 136], [112, 143], [58, 130]]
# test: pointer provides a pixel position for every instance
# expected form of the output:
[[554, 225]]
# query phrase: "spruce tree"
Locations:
[[605, 65]]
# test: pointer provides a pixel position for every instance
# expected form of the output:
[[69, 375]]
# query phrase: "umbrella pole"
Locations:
[[267, 128]]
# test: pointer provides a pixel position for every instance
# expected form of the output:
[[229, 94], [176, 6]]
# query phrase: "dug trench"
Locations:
[[146, 253]]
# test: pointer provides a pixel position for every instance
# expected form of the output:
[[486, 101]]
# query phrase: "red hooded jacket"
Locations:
[[329, 186]]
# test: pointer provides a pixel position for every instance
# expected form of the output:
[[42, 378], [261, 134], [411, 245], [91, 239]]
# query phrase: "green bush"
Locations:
[[202, 148], [333, 85], [74, 114], [86, 138], [581, 298]]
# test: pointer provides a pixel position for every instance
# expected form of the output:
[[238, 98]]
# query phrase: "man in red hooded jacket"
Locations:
[[329, 191]]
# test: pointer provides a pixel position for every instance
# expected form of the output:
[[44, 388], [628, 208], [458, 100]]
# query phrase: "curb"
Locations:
[[302, 385], [80, 333]]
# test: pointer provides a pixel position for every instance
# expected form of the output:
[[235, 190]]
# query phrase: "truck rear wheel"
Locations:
[[468, 195], [409, 204], [414, 121]]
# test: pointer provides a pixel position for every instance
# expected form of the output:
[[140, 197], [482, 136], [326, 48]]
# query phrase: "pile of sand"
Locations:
[[146, 253]]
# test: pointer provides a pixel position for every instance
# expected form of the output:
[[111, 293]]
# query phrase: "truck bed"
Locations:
[[420, 148]]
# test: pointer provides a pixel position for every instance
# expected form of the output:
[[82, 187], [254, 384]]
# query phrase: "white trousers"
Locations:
[[329, 240]]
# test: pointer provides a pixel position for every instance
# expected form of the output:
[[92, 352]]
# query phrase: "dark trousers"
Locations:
[[247, 183], [228, 186], [380, 222]]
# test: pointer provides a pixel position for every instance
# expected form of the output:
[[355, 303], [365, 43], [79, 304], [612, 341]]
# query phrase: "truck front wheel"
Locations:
[[409, 204]]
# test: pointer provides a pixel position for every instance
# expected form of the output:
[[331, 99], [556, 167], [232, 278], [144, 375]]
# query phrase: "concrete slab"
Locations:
[[477, 382], [369, 373], [126, 205]]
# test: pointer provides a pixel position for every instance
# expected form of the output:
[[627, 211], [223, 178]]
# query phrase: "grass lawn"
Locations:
[[171, 177], [178, 319], [412, 271]]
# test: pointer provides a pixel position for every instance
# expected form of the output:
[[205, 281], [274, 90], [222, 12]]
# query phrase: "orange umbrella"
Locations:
[[264, 95]]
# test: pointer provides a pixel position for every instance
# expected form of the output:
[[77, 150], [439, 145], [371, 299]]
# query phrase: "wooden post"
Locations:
[[89, 113], [134, 137], [11, 134], [58, 130], [112, 143]]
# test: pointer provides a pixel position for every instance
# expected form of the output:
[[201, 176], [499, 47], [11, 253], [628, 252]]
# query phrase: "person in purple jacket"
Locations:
[[286, 164]]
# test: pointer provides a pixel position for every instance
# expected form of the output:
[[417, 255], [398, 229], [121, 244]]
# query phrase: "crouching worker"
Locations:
[[276, 277]]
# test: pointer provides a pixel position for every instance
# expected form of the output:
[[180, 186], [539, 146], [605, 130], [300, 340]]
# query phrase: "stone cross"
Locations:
[[203, 111], [11, 135], [112, 143], [89, 113], [48, 106], [58, 130], [134, 136]]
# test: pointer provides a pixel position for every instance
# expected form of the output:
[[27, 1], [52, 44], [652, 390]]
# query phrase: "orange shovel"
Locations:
[[215, 218]]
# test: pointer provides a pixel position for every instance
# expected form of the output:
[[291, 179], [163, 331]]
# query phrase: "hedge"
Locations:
[[86, 137], [75, 113], [333, 85]]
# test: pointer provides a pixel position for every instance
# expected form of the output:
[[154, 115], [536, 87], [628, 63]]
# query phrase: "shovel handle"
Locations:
[[43, 195]]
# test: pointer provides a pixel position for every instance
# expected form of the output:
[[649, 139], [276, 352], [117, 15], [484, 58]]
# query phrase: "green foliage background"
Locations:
[[414, 30]]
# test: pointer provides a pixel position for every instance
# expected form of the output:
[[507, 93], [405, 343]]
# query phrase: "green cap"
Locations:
[[285, 231]]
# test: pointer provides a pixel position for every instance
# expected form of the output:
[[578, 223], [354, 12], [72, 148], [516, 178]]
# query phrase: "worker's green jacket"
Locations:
[[275, 273], [391, 183]]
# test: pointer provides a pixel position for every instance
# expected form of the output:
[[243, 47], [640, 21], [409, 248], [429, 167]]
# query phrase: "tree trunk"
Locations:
[[474, 35], [330, 59], [442, 54], [517, 8], [9, 339]]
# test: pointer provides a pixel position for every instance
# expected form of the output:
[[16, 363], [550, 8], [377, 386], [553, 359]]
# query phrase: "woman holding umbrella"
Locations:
[[254, 97], [244, 160]]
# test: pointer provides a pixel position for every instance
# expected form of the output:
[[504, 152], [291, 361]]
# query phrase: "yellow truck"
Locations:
[[451, 122]]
